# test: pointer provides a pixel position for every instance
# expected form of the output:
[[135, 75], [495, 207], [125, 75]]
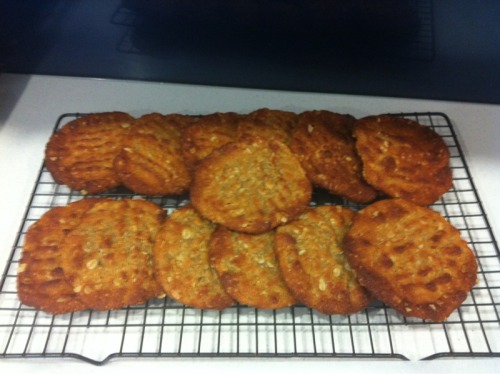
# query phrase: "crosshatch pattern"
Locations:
[[165, 328]]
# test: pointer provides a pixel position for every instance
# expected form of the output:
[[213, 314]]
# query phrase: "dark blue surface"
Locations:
[[441, 49]]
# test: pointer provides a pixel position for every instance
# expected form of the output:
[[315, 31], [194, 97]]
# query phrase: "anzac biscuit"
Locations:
[[251, 186], [313, 262], [40, 281], [403, 158], [108, 257], [151, 162], [81, 154], [268, 124], [324, 144], [248, 268], [411, 258], [182, 264], [207, 133]]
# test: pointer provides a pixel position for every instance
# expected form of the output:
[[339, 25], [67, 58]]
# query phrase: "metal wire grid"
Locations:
[[164, 328]]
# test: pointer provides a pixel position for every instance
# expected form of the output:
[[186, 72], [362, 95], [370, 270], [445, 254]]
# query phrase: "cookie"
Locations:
[[313, 262], [403, 158], [108, 257], [41, 282], [411, 258], [248, 269], [268, 124], [150, 161], [324, 144], [81, 154], [251, 186], [207, 133], [181, 261]]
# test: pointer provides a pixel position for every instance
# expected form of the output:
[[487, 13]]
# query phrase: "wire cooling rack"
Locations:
[[165, 328]]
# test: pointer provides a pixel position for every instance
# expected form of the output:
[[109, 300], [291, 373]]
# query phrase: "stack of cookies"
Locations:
[[251, 233]]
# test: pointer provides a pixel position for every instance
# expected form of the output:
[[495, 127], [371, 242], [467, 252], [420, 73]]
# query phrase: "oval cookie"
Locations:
[[313, 262], [251, 186], [182, 264], [150, 161], [411, 258], [324, 144], [403, 159], [248, 268]]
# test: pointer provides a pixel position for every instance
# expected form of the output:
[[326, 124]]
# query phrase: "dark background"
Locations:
[[434, 49]]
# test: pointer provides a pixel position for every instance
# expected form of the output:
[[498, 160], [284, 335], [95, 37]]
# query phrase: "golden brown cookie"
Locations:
[[40, 281], [108, 257], [324, 144], [411, 258], [313, 262], [182, 264], [403, 158], [81, 154], [251, 186], [268, 124], [151, 161], [248, 268], [207, 133]]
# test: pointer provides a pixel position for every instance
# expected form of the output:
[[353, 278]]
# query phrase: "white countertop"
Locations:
[[30, 105]]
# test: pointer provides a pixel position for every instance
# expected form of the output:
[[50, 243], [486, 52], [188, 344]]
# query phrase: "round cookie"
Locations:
[[41, 282], [411, 258], [248, 269], [324, 144], [403, 159], [81, 154], [181, 261], [108, 257], [251, 186], [313, 262], [150, 161]]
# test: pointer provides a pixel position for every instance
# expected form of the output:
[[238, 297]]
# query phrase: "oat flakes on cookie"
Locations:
[[248, 269], [314, 264], [403, 158], [181, 261], [251, 186], [411, 258], [108, 257]]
